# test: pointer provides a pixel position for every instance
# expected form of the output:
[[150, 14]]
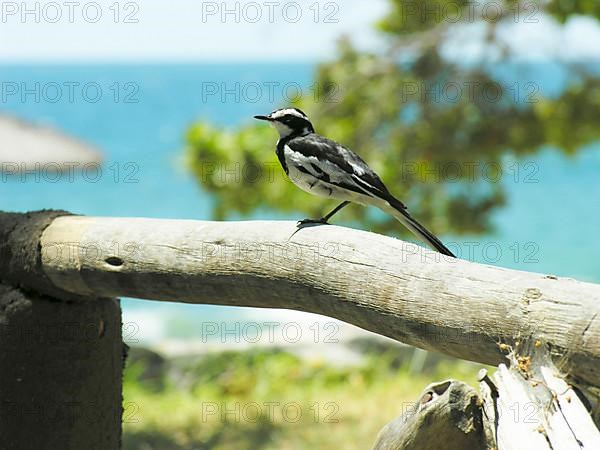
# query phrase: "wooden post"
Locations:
[[60, 362], [535, 407]]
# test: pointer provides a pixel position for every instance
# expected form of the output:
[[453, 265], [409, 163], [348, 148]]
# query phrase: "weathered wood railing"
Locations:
[[399, 290]]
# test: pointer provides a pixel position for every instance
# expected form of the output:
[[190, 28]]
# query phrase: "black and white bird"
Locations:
[[325, 168]]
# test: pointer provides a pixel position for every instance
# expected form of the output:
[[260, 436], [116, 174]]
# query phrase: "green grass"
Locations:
[[252, 399]]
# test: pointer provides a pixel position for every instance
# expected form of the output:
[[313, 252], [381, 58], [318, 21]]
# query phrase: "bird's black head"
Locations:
[[289, 121]]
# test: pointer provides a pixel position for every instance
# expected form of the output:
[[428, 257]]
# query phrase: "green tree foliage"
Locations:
[[430, 149]]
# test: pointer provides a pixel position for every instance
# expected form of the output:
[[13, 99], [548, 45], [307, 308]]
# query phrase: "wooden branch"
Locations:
[[378, 283], [447, 415]]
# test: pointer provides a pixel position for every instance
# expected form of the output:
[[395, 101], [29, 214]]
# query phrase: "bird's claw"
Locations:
[[312, 221]]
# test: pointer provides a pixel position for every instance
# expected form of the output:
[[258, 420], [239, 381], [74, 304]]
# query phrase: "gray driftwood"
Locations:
[[527, 405], [447, 416], [536, 408], [378, 283]]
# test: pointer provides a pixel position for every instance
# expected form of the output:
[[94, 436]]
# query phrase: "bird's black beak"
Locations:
[[263, 117]]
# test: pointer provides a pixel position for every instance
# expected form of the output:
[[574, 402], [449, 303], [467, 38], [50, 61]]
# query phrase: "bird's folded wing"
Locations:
[[335, 164]]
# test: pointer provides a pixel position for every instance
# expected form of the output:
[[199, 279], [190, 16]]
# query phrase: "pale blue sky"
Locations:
[[176, 31], [196, 30]]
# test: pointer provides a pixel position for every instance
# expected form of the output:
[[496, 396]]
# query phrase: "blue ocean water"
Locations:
[[137, 116]]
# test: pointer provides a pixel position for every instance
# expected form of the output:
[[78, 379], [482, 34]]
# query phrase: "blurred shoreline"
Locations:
[[341, 353], [307, 336]]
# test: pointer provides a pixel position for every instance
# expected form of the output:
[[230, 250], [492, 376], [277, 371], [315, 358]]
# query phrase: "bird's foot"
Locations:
[[321, 221]]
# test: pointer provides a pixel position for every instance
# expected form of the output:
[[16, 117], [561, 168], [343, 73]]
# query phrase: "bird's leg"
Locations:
[[325, 218], [337, 209]]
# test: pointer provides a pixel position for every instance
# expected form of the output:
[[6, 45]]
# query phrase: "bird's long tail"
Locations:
[[398, 210]]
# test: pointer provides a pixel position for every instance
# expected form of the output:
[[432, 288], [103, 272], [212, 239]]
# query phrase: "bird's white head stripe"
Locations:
[[287, 112]]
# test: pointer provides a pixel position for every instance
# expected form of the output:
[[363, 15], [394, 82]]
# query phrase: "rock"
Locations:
[[28, 147]]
